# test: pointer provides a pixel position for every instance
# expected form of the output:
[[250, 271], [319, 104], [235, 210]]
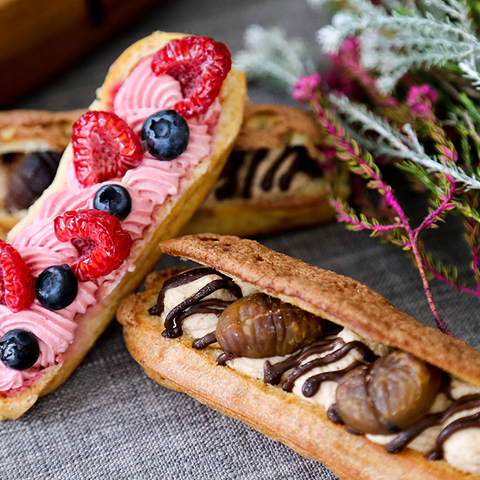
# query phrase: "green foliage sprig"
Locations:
[[396, 39]]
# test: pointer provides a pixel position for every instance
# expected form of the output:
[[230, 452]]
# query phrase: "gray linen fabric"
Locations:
[[109, 420]]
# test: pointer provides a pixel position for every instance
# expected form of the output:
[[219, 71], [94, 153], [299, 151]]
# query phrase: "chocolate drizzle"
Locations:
[[457, 425], [205, 341], [257, 159], [300, 162], [406, 436], [343, 351], [334, 415], [273, 373], [195, 303], [224, 358], [312, 384]]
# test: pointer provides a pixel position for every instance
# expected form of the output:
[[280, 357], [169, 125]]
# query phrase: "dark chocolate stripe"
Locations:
[[459, 424], [273, 373], [173, 327], [176, 281], [224, 357], [230, 176], [406, 436], [301, 159], [312, 384], [249, 179], [267, 182], [205, 341], [366, 353]]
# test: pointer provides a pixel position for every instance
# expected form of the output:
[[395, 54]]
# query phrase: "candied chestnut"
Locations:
[[403, 388], [354, 404], [259, 326], [29, 177], [389, 395]]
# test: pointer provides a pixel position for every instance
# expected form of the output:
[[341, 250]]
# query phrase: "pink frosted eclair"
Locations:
[[141, 161]]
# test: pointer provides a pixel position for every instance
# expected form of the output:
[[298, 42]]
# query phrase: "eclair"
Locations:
[[311, 358], [31, 145], [273, 181], [140, 162]]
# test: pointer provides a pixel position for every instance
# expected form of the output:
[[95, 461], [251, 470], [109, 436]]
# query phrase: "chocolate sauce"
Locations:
[[224, 358], [466, 402], [301, 162], [257, 159], [366, 353], [334, 415], [273, 373], [195, 303], [267, 182], [312, 384], [230, 174], [459, 424], [205, 341], [173, 321]]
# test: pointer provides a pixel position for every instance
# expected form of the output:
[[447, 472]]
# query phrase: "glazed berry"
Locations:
[[102, 243], [200, 64], [56, 287], [113, 199], [165, 134], [19, 349], [16, 280], [104, 147]]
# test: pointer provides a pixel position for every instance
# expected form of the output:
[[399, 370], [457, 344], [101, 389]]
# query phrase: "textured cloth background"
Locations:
[[109, 420]]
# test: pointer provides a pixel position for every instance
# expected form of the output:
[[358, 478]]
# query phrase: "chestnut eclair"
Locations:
[[311, 358]]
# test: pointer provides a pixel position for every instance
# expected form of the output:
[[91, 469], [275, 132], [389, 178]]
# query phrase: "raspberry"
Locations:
[[16, 280], [200, 64], [104, 147], [102, 243]]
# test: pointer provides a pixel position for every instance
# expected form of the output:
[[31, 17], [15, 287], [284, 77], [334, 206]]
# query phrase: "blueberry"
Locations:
[[56, 287], [19, 349], [165, 134], [113, 199]]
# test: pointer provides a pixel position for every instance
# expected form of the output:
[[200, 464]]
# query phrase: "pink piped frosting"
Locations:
[[150, 185]]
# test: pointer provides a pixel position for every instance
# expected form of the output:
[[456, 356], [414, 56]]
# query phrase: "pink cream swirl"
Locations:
[[149, 185]]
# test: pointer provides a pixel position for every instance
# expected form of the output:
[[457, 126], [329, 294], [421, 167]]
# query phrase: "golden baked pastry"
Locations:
[[404, 385], [106, 254]]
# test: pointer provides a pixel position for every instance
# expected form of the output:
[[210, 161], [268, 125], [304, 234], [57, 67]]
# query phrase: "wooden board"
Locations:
[[40, 38]]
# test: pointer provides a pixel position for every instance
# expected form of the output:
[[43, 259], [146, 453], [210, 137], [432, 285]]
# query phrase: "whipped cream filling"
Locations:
[[150, 185], [198, 324]]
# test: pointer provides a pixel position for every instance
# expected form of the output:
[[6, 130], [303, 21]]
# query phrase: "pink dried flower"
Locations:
[[306, 86], [348, 76], [421, 99]]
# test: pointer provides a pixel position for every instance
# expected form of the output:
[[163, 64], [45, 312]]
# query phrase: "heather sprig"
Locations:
[[403, 144], [361, 162]]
